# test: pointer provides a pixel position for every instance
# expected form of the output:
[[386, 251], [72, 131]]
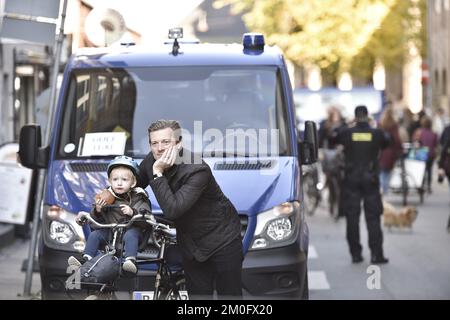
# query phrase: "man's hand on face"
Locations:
[[166, 161]]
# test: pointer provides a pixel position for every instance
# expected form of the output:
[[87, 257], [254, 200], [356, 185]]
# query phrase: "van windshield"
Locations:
[[224, 111]]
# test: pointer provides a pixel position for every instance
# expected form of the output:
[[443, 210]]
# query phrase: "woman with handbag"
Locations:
[[427, 138], [393, 152]]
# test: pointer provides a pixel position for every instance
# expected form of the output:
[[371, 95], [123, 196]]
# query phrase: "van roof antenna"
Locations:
[[175, 33]]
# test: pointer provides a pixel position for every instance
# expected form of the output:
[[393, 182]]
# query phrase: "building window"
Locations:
[[436, 80], [447, 5], [444, 82], [437, 6]]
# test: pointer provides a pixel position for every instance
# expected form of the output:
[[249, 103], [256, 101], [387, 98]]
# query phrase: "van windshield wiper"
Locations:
[[106, 157]]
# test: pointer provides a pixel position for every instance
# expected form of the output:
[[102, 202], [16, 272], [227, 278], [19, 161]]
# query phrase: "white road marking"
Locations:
[[317, 280], [312, 253]]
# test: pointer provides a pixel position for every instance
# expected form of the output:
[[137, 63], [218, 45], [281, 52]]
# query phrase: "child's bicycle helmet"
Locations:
[[123, 161]]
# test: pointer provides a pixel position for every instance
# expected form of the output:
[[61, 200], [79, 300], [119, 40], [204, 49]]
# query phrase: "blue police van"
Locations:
[[236, 107]]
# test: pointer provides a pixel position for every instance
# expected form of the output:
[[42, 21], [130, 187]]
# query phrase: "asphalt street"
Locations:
[[419, 258], [419, 266]]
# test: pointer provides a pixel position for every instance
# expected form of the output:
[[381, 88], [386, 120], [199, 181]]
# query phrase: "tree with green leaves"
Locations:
[[338, 35]]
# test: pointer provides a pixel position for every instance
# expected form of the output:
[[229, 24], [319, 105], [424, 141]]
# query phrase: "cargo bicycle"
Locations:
[[169, 280]]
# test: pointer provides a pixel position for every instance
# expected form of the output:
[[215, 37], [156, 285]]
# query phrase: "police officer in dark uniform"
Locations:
[[362, 145]]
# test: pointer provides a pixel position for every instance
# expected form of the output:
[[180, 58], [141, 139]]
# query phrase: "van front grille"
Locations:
[[89, 167], [248, 165]]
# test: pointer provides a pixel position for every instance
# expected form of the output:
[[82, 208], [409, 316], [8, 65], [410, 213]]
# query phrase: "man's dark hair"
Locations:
[[163, 124], [361, 113]]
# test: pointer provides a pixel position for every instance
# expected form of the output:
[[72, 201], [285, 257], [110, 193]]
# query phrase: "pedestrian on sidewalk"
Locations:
[[444, 162], [393, 152], [332, 162], [426, 137]]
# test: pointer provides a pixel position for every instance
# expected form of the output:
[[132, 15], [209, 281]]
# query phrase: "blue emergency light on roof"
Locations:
[[253, 41]]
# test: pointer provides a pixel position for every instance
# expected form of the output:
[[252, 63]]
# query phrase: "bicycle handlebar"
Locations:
[[148, 218]]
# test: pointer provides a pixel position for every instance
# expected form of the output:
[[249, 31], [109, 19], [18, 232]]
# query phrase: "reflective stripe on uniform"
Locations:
[[362, 136]]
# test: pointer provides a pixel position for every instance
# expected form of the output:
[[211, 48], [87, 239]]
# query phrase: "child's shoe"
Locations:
[[129, 266], [72, 261]]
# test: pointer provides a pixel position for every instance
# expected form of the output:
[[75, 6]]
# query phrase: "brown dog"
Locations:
[[401, 218]]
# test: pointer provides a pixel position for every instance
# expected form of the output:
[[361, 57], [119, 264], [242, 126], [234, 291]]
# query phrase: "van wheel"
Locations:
[[102, 296], [47, 294], [304, 295], [44, 294]]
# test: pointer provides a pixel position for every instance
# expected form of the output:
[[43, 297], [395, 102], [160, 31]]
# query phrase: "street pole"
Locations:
[[429, 88], [42, 172]]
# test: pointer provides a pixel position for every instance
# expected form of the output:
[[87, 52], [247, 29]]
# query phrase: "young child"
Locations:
[[122, 174]]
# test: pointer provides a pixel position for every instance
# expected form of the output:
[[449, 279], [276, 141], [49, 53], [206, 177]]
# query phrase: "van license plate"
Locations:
[[143, 295], [148, 295]]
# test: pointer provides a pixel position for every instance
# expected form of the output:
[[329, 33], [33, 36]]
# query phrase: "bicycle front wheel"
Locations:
[[311, 196], [177, 291]]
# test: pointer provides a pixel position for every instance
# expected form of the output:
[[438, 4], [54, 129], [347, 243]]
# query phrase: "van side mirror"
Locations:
[[31, 154], [309, 147]]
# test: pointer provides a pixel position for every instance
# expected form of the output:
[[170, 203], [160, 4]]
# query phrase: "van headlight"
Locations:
[[277, 227], [60, 230]]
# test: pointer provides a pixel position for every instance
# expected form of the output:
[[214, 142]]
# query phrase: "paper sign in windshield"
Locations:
[[103, 144]]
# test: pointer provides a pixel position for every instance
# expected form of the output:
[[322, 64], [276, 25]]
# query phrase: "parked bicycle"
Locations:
[[332, 161], [311, 188], [169, 284]]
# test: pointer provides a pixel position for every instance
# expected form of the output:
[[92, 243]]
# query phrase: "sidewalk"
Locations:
[[12, 279], [6, 234]]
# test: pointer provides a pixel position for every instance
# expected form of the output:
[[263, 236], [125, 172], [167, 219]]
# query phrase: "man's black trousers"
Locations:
[[367, 191], [222, 271]]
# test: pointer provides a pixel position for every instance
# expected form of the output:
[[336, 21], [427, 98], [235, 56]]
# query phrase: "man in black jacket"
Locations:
[[362, 145], [208, 226], [444, 161]]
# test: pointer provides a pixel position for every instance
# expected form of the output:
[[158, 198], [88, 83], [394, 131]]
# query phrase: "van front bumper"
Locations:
[[54, 273], [279, 272]]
